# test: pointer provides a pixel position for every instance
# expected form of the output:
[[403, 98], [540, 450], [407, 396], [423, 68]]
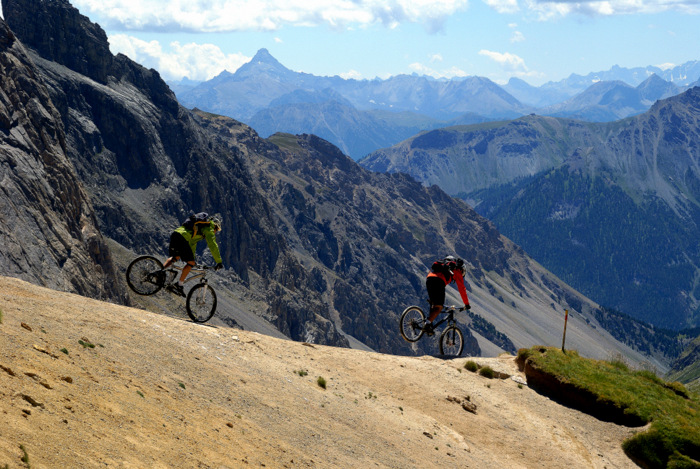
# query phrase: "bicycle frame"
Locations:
[[198, 271], [450, 318]]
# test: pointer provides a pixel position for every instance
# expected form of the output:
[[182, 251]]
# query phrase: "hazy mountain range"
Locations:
[[271, 98]]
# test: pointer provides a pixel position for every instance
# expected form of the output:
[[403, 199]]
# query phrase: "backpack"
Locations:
[[196, 221], [442, 266], [446, 266]]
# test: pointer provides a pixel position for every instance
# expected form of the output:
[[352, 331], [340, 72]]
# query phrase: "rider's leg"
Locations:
[[436, 293], [434, 311], [185, 271]]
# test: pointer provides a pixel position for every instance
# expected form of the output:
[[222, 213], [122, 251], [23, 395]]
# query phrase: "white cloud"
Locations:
[[508, 61], [264, 15], [436, 58], [195, 61], [422, 69], [351, 75], [517, 37], [503, 6], [547, 9]]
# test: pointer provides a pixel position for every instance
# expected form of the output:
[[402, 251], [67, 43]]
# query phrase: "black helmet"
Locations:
[[450, 262]]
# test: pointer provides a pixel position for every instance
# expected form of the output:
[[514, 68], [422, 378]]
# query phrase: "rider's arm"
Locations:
[[459, 280], [213, 246]]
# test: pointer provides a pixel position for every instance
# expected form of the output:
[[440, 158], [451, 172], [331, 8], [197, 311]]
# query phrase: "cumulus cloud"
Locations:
[[264, 15], [508, 61], [195, 61]]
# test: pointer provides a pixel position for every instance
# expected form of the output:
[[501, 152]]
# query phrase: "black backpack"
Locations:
[[196, 221], [446, 266]]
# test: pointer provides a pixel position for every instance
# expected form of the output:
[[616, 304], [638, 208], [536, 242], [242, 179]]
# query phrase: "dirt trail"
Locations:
[[148, 390]]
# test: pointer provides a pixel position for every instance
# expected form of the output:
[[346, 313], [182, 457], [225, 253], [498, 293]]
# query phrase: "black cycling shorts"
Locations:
[[179, 247], [436, 290]]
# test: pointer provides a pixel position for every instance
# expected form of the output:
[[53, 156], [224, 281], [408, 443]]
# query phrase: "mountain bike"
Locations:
[[146, 276], [451, 340]]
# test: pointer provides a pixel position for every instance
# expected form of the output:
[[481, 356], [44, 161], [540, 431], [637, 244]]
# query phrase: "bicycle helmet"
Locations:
[[216, 220]]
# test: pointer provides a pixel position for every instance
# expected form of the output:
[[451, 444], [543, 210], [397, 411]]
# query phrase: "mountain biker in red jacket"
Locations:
[[445, 272], [183, 245]]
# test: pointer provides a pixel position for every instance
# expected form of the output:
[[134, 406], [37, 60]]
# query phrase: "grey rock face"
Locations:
[[47, 224]]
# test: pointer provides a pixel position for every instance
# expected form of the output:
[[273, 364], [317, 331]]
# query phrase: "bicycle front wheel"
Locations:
[[451, 342], [411, 323], [201, 302], [145, 275]]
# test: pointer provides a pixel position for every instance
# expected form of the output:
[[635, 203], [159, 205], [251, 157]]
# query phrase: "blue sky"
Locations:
[[538, 41]]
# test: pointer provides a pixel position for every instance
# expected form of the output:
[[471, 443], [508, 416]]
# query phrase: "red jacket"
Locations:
[[458, 279]]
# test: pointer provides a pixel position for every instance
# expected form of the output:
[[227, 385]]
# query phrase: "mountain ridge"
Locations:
[[251, 95]]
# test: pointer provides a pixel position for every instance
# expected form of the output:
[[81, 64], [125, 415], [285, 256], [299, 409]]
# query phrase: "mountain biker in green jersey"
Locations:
[[183, 244]]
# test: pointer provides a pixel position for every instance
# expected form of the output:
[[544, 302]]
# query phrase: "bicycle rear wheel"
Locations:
[[451, 342], [145, 275], [411, 323], [201, 302]]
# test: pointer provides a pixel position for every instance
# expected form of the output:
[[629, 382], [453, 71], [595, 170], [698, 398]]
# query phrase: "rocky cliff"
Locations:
[[48, 225]]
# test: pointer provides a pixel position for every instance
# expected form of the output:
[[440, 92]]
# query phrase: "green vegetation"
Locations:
[[626, 396], [0, 316], [562, 218], [487, 372], [140, 394], [472, 366], [182, 385], [64, 350], [286, 142], [321, 382], [25, 456], [86, 344], [302, 373]]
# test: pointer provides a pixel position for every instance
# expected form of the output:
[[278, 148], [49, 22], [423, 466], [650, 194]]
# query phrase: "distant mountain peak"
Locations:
[[262, 62], [263, 55]]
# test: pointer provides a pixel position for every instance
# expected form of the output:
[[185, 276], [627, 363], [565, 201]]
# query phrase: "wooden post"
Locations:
[[566, 319]]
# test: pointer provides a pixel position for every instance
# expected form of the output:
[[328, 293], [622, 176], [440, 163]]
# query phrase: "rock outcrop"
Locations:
[[48, 228]]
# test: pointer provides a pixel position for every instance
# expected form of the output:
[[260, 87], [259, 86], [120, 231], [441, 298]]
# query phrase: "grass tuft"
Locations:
[[472, 366], [0, 316], [86, 344], [25, 455], [321, 381], [302, 373], [487, 372], [673, 439]]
